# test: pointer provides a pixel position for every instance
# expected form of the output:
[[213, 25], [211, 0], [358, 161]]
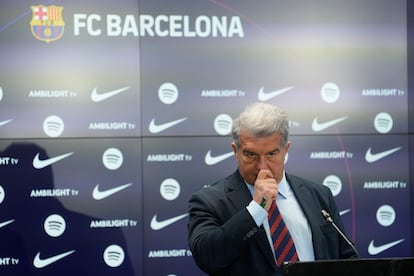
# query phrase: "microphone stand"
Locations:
[[329, 219]]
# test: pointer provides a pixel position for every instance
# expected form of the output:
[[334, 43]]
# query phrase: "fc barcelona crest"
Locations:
[[47, 23]]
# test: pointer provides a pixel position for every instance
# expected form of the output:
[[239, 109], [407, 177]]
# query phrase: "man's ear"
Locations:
[[233, 145], [287, 147]]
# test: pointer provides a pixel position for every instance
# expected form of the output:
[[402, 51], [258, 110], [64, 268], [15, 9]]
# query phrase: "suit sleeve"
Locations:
[[218, 232]]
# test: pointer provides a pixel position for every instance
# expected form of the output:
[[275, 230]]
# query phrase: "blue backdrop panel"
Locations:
[[71, 197]]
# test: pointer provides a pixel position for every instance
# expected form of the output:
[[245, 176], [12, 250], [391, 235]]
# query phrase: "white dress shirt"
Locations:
[[293, 217]]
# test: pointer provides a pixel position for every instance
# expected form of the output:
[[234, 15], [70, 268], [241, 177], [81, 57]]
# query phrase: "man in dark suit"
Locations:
[[229, 232]]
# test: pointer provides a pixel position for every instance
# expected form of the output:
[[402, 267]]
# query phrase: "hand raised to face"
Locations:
[[265, 189]]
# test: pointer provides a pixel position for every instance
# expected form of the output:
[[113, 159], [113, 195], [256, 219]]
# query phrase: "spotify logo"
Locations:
[[168, 93], [385, 215], [2, 194], [114, 255], [53, 126], [334, 183], [55, 225], [223, 124], [330, 92], [383, 122], [170, 189], [112, 159]]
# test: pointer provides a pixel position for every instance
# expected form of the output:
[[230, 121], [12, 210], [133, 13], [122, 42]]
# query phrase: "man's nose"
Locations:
[[262, 163]]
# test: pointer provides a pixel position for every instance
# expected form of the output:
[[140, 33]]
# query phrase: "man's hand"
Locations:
[[265, 189]]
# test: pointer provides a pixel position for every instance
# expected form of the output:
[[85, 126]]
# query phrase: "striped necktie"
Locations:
[[285, 250]]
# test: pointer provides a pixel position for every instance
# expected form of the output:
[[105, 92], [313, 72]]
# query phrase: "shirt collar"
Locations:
[[284, 187]]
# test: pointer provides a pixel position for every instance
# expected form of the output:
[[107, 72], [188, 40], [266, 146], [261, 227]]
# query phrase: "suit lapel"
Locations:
[[237, 192], [240, 196], [306, 200], [302, 195]]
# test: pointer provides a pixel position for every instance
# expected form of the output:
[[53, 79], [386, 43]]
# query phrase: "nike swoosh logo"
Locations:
[[316, 126], [158, 225], [213, 160], [343, 212], [6, 223], [373, 157], [40, 263], [264, 96], [156, 128], [99, 97], [40, 164], [98, 195], [5, 122], [374, 250]]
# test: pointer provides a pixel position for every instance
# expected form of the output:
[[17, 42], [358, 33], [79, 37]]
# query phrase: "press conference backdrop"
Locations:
[[112, 113]]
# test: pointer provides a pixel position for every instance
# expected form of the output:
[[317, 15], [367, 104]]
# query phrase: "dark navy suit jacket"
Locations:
[[225, 240]]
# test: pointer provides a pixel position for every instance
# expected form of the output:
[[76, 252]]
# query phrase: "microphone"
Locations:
[[329, 219]]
